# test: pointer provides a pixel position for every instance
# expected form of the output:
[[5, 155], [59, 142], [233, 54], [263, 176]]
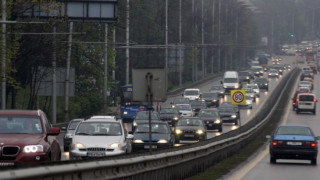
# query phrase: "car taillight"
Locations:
[[294, 103], [142, 108], [314, 100], [312, 144], [298, 99], [277, 143]]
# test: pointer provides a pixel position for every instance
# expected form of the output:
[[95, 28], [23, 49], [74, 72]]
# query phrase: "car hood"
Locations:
[[189, 127], [21, 139], [168, 115], [185, 111], [294, 137], [155, 136], [208, 118], [97, 141]]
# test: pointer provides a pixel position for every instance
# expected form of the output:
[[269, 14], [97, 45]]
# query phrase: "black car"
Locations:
[[211, 118], [278, 67], [179, 101], [144, 115], [228, 114], [170, 115], [190, 129], [263, 83], [305, 74], [211, 99], [293, 142], [244, 76], [197, 105], [218, 89], [229, 104], [67, 139], [162, 136]]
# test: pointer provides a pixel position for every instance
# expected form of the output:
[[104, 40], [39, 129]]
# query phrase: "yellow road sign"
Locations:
[[238, 97]]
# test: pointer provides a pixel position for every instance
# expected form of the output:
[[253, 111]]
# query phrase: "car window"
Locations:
[[181, 101], [184, 107], [159, 128], [209, 95], [20, 125], [189, 122], [168, 111], [210, 113], [145, 115], [306, 98], [99, 129], [73, 125], [293, 130]]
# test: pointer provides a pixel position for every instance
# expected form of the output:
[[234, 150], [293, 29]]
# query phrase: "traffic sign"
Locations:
[[238, 97]]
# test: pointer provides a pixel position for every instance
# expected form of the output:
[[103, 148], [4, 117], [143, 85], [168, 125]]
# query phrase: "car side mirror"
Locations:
[[268, 136], [63, 128], [221, 82], [318, 138], [129, 136], [54, 131]]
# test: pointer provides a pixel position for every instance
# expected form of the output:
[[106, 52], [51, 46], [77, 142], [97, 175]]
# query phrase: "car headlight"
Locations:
[[135, 123], [178, 131], [162, 141], [125, 112], [266, 84], [68, 136], [199, 131], [247, 77], [269, 74], [115, 145], [261, 72], [236, 86], [234, 116], [77, 146], [280, 70], [214, 100], [217, 121], [175, 118], [225, 87], [193, 109], [138, 141], [277, 74], [33, 149], [221, 92], [252, 96], [173, 106], [203, 100]]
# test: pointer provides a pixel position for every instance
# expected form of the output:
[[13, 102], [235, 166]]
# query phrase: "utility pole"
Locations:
[[3, 64], [219, 38], [105, 89], [114, 57], [202, 39], [54, 79], [66, 108], [166, 29], [180, 54], [212, 55], [127, 42]]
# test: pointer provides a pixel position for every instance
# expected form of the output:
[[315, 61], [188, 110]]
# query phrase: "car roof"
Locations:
[[20, 112], [306, 94], [100, 120]]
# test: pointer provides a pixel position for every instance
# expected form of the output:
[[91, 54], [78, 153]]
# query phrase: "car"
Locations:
[[218, 89], [305, 74], [192, 94], [229, 104], [211, 99], [228, 114], [190, 129], [306, 102], [262, 83], [179, 101], [305, 84], [248, 102], [211, 118], [144, 115], [273, 73], [278, 67], [293, 142], [250, 92], [310, 80], [310, 72], [162, 136], [27, 136], [67, 139], [257, 70], [255, 88], [185, 110], [299, 90], [100, 138], [244, 76], [170, 115], [197, 105]]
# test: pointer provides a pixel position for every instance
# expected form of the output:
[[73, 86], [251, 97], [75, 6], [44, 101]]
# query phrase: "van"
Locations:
[[192, 94], [306, 102], [231, 81]]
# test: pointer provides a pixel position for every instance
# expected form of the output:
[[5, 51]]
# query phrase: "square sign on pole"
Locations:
[[238, 97], [158, 84]]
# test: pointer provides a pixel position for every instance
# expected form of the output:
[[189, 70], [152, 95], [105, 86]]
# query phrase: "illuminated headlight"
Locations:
[[225, 87], [77, 146], [135, 123], [125, 112], [269, 74], [266, 84], [199, 131], [214, 100], [280, 70], [247, 77], [221, 92], [261, 71], [138, 141], [162, 141], [178, 131], [68, 136], [115, 145], [203, 100], [257, 72], [33, 149], [252, 96], [277, 74], [236, 86], [173, 106], [217, 121], [234, 116], [175, 118]]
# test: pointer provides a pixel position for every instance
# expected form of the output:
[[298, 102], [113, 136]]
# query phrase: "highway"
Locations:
[[259, 167]]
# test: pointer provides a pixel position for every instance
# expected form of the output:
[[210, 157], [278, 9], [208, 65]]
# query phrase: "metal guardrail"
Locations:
[[176, 163]]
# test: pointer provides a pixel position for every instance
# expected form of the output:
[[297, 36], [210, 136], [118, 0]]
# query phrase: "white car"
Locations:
[[305, 84], [273, 73], [255, 88], [306, 102], [250, 92], [99, 138], [248, 103], [185, 110], [192, 94]]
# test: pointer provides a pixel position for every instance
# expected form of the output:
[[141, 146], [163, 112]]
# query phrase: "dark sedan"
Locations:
[[190, 129], [144, 115], [197, 105], [244, 76], [170, 115], [263, 83], [211, 118], [218, 89], [293, 142], [162, 136], [211, 99], [179, 101], [228, 114]]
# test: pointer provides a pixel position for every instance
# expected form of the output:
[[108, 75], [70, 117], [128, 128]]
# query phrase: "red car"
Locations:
[[26, 136]]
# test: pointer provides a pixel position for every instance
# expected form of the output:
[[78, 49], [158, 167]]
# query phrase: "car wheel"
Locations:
[[236, 122], [250, 107], [176, 141], [273, 160], [297, 111], [314, 161], [65, 149], [220, 129], [314, 111]]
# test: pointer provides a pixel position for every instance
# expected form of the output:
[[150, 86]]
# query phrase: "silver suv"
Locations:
[[306, 102]]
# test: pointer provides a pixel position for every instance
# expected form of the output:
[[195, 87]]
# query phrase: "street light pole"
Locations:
[[180, 58], [3, 64], [127, 42]]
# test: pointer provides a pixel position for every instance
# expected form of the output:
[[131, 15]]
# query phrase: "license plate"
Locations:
[[148, 147], [96, 154], [307, 103], [294, 143], [7, 164], [188, 135]]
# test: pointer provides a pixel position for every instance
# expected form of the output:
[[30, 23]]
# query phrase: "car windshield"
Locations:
[[209, 95], [181, 101], [184, 107], [208, 113], [216, 88], [294, 130], [168, 111], [230, 80], [197, 103], [243, 73], [249, 90], [304, 83], [227, 109], [252, 86], [261, 80], [303, 90], [73, 125], [144, 115], [191, 92], [159, 128], [273, 71], [189, 122], [99, 129], [20, 125]]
